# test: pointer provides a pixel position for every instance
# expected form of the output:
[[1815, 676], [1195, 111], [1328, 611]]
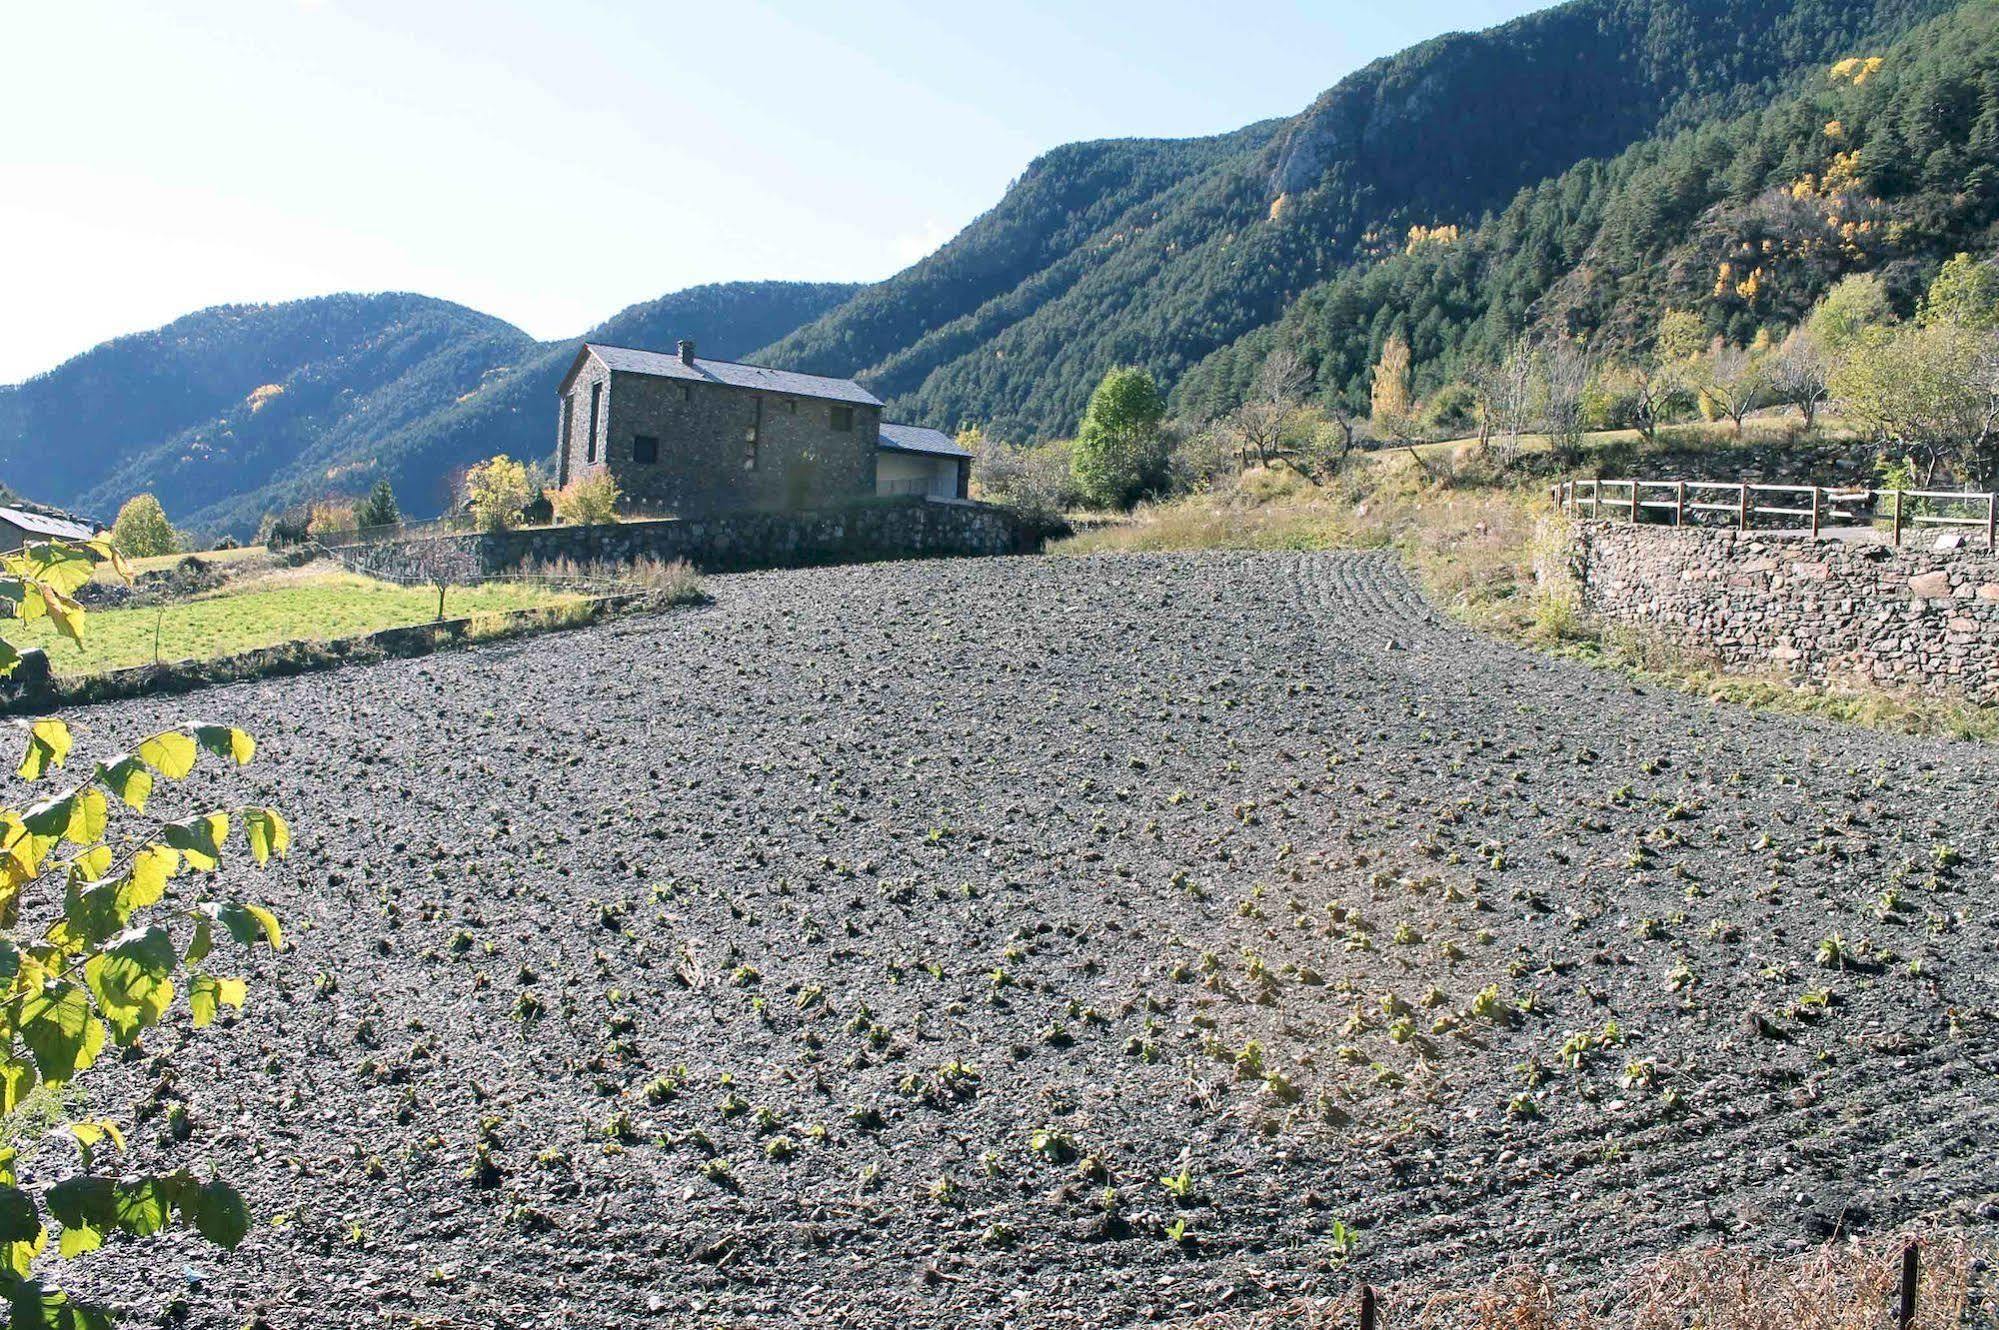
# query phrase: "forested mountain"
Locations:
[[1200, 242], [238, 410], [1887, 167]]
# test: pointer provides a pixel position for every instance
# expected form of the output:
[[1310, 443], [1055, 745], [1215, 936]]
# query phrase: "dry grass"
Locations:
[[1844, 1286], [673, 581]]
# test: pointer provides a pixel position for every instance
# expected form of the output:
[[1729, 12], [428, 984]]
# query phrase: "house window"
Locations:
[[843, 419], [791, 405], [596, 397], [645, 449], [686, 393], [750, 437]]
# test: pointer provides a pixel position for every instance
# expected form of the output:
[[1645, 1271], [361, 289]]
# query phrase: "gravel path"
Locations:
[[865, 947]]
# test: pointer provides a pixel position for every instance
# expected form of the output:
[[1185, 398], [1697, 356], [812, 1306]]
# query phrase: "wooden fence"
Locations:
[[1740, 504]]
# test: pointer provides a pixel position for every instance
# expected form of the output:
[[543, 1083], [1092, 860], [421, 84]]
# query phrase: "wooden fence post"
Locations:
[[1815, 512], [1898, 516], [1367, 1307], [1631, 514], [1742, 506], [1991, 519], [1905, 1314], [1679, 503]]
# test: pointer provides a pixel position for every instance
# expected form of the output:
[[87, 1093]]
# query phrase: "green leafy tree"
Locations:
[[379, 509], [1965, 293], [1854, 307], [497, 490], [142, 530], [1931, 393], [101, 931], [1118, 456]]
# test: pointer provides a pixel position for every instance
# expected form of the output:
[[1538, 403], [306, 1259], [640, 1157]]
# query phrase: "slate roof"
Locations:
[[47, 524], [665, 365], [917, 439]]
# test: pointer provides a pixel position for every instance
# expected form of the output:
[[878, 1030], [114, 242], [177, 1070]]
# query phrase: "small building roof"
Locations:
[[666, 365], [53, 525], [918, 439]]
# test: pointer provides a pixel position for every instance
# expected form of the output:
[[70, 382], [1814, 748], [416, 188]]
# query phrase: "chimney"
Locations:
[[686, 349]]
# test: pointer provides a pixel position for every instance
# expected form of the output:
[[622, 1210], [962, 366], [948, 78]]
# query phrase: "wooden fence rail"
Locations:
[[1742, 503]]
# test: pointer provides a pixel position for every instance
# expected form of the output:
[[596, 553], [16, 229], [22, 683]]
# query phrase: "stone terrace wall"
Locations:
[[735, 542], [1827, 609]]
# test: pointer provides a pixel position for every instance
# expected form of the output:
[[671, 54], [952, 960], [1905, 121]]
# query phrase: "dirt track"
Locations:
[[989, 886]]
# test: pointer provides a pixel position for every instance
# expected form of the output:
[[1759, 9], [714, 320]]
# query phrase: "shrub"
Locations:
[[1036, 483], [142, 530], [331, 517], [589, 500], [496, 491]]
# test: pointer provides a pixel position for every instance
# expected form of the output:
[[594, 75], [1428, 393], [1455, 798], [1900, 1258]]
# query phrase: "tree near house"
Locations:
[[142, 531], [496, 490], [1117, 456], [443, 562], [379, 509], [101, 929]]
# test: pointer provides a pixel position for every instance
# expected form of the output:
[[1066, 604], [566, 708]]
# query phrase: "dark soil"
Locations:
[[946, 908]]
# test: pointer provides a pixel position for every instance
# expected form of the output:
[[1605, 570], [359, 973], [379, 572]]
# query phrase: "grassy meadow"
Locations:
[[312, 604]]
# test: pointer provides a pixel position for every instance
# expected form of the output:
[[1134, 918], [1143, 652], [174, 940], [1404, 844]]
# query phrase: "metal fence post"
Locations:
[[1905, 1314], [1631, 514]]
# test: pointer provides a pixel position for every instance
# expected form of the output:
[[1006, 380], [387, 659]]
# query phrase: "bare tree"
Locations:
[[1800, 372], [1505, 396], [443, 562], [1564, 373], [1732, 379], [1257, 425]]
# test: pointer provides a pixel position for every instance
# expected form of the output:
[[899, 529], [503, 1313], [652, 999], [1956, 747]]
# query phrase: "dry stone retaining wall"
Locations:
[[858, 533], [1828, 609]]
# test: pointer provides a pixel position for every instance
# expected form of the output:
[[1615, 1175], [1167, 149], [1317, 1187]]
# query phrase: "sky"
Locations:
[[552, 163]]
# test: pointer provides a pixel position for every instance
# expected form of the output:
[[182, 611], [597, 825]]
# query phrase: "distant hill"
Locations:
[[238, 410], [1184, 247], [1574, 169]]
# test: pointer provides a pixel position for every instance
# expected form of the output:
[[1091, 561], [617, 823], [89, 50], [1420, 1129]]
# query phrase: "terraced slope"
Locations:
[[991, 885]]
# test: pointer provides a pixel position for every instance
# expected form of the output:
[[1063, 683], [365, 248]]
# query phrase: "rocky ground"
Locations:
[[1058, 942]]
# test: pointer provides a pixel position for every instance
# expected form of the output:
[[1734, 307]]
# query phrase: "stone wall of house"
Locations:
[[862, 532], [716, 446], [1830, 609]]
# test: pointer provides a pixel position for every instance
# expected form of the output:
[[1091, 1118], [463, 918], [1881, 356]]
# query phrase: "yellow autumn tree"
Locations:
[[1389, 395]]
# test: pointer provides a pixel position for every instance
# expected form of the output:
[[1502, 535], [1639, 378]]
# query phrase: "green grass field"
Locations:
[[296, 605]]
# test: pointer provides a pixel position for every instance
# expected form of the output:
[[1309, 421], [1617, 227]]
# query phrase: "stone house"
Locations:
[[687, 434], [21, 523]]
